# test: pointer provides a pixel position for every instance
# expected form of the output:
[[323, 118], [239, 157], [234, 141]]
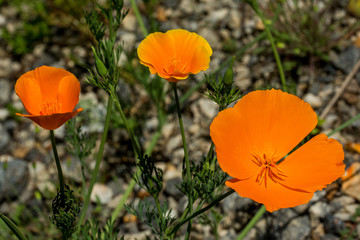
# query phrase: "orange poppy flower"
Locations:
[[49, 95], [254, 136], [175, 54]]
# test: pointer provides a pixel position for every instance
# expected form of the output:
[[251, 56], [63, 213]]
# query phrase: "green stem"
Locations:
[[58, 166], [97, 163], [197, 213], [12, 227], [252, 222], [254, 4], [132, 183], [344, 125], [133, 140], [138, 17], [211, 150], [186, 156]]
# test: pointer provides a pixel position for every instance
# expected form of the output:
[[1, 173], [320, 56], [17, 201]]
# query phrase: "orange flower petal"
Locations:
[[54, 121], [28, 90], [175, 54], [153, 51], [49, 95], [315, 164], [274, 196], [263, 123], [199, 62], [68, 93]]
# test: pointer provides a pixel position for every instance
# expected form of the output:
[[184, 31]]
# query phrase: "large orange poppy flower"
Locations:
[[175, 54], [49, 95], [263, 127]]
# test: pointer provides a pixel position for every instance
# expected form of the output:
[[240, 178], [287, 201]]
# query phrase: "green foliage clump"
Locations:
[[302, 29], [33, 27]]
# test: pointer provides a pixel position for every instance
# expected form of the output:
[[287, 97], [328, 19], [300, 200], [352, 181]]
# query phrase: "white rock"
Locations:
[[4, 113], [211, 36], [2, 20], [129, 22], [313, 100], [217, 16], [101, 193], [319, 209], [208, 108]]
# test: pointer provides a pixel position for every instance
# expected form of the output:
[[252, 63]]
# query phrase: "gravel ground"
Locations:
[[27, 169]]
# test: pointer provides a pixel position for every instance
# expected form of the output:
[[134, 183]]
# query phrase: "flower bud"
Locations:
[[354, 7], [229, 74], [100, 66]]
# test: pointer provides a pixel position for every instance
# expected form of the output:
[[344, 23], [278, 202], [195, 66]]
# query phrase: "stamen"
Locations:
[[50, 106], [268, 169], [174, 66]]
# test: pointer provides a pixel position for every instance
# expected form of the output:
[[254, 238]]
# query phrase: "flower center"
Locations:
[[174, 66], [50, 106], [268, 170]]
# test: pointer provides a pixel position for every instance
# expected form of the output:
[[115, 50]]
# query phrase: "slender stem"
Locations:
[[157, 202], [195, 214], [138, 17], [12, 227], [252, 222], [134, 142], [132, 183], [149, 149], [254, 4], [344, 125], [211, 150], [186, 156], [98, 161], [58, 166]]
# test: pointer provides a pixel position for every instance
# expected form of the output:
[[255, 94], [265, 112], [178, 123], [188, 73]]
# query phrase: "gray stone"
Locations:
[[235, 19], [171, 188], [14, 176], [187, 6], [218, 16], [5, 67], [347, 59], [4, 139], [72, 169], [4, 113], [171, 3], [242, 77], [284, 216], [5, 92], [236, 203], [333, 224], [319, 209], [174, 143], [211, 36], [298, 228], [329, 237]]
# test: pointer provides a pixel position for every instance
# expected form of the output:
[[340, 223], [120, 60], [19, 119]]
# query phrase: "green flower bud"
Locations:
[[100, 66], [229, 74]]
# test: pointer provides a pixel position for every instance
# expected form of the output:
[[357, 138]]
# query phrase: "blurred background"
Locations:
[[319, 44]]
